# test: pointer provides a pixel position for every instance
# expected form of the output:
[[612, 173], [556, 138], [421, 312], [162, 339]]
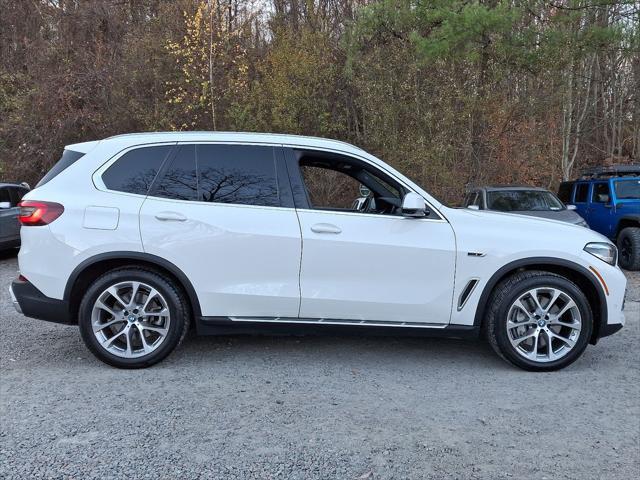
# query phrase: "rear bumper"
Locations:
[[31, 302]]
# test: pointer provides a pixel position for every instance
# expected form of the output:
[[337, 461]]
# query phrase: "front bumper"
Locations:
[[31, 302]]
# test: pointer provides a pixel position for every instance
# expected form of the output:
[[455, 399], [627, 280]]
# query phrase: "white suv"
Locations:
[[136, 237]]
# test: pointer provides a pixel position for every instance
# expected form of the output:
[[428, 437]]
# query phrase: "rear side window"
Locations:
[[564, 192], [69, 157], [240, 174], [582, 191], [179, 180], [16, 195], [136, 170], [4, 195]]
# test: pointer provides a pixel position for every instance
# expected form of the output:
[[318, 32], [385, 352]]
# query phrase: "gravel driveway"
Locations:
[[336, 407]]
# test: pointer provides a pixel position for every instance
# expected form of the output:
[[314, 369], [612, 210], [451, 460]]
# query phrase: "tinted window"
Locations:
[[564, 192], [600, 193], [16, 195], [582, 190], [180, 180], [241, 174], [135, 171], [4, 195], [522, 200], [69, 157]]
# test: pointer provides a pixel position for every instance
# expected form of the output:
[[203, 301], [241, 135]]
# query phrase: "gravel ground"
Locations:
[[337, 407]]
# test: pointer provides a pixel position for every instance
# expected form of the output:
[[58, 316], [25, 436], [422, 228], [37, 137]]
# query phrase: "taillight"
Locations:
[[34, 213]]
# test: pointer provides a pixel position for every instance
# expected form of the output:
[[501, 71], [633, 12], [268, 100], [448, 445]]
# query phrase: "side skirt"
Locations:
[[313, 326]]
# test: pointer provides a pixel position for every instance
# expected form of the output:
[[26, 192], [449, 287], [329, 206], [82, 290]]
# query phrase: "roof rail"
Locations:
[[611, 171]]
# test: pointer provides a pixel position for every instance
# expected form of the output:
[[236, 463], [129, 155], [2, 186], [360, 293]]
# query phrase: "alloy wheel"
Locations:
[[130, 319], [543, 324]]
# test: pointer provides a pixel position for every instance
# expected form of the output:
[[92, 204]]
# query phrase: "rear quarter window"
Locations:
[[582, 192], [135, 171], [564, 192], [69, 157]]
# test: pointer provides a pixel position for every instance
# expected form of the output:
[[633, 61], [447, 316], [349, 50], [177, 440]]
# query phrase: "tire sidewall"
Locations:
[[543, 282], [174, 303], [633, 234]]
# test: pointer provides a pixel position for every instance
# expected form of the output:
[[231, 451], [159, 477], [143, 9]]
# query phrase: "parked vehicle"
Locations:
[[609, 200], [536, 202], [138, 236], [10, 196]]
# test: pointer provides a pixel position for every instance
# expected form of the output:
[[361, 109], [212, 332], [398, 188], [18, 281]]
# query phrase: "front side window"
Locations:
[[628, 189], [600, 193], [135, 171], [239, 174], [335, 182]]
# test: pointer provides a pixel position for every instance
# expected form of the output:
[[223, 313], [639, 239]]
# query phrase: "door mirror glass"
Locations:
[[571, 207], [4, 205], [413, 205]]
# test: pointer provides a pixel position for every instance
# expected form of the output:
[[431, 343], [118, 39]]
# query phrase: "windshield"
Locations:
[[522, 200], [628, 189]]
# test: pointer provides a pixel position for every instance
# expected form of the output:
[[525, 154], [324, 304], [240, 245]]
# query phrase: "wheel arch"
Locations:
[[627, 221], [93, 267], [570, 270]]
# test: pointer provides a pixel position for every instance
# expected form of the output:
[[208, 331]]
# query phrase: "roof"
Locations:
[[495, 188], [249, 137]]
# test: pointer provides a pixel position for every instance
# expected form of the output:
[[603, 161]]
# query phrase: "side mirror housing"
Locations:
[[4, 205], [473, 207], [413, 206], [571, 207]]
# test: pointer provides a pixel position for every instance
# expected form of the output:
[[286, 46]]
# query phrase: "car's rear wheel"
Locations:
[[539, 321], [132, 318], [629, 248]]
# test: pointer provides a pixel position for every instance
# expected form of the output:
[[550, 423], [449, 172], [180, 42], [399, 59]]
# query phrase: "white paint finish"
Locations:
[[505, 238], [241, 260], [376, 267], [247, 264], [101, 218]]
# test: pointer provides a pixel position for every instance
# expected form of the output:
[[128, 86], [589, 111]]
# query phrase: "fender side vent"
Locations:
[[466, 293]]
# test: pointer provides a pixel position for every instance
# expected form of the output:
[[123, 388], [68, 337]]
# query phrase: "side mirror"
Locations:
[[4, 205], [571, 207], [413, 206], [473, 207]]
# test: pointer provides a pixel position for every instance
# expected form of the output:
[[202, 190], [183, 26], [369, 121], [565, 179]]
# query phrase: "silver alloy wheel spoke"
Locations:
[[544, 324], [130, 328]]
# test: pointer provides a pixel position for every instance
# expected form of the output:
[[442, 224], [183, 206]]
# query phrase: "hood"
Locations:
[[568, 216]]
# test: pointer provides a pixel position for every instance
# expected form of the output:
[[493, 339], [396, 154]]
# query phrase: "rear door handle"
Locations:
[[170, 217], [325, 228]]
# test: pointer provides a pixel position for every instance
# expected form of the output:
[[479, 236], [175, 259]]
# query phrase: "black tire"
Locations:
[[629, 248], [503, 297], [176, 303]]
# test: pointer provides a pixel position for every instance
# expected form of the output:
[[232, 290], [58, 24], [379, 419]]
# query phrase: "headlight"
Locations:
[[604, 251]]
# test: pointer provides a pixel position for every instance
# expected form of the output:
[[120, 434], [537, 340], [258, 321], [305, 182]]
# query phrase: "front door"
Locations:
[[368, 263], [601, 209]]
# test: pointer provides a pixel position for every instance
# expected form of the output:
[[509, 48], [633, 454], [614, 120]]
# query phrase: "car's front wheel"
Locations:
[[132, 317], [539, 321]]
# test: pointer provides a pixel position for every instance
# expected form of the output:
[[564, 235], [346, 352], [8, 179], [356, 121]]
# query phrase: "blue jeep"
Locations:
[[608, 198]]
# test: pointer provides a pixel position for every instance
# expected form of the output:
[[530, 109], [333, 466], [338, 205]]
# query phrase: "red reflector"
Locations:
[[35, 213], [22, 278]]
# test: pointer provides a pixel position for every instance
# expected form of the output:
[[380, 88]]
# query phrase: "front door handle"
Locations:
[[325, 228], [170, 217]]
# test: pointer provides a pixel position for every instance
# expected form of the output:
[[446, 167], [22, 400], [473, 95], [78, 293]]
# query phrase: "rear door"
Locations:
[[223, 214]]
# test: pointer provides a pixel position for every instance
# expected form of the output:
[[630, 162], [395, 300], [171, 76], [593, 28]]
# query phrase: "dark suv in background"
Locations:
[[10, 195], [608, 198]]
